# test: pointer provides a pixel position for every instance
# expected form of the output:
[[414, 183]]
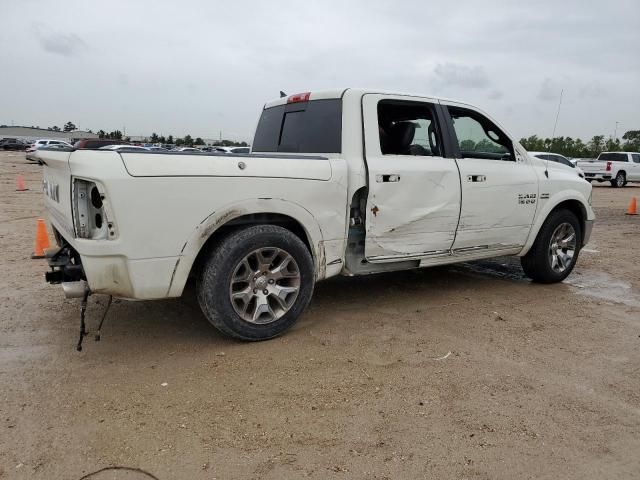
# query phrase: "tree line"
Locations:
[[187, 140], [576, 148]]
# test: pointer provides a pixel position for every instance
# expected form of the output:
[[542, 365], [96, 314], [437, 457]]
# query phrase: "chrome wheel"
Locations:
[[620, 180], [264, 285], [562, 247]]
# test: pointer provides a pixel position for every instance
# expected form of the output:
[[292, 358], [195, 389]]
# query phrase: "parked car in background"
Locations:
[[615, 167], [31, 151], [221, 149], [554, 157], [125, 148], [437, 182], [97, 143], [187, 149], [155, 148], [240, 150], [13, 144]]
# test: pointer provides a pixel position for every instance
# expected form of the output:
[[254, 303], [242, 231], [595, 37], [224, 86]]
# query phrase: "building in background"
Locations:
[[28, 134]]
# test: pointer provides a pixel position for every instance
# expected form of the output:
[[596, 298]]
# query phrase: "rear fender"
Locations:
[[218, 219]]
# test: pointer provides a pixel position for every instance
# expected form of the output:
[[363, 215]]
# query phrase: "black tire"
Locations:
[[620, 180], [215, 281], [537, 263]]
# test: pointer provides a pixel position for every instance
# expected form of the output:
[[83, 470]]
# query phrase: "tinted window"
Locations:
[[306, 127], [562, 160], [636, 157], [479, 137], [613, 157]]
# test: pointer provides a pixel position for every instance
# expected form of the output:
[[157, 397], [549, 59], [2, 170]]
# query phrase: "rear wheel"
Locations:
[[256, 282], [620, 180], [555, 251]]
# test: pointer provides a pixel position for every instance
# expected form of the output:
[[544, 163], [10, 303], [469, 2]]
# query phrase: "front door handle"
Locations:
[[476, 178], [392, 177]]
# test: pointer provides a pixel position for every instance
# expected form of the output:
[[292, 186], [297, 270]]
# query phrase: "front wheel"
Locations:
[[555, 251], [256, 282], [620, 180]]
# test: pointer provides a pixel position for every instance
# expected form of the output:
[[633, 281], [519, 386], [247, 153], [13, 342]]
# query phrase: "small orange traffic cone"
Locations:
[[20, 187], [633, 207], [42, 239]]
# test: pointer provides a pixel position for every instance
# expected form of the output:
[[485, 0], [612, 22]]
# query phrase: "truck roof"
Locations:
[[340, 92]]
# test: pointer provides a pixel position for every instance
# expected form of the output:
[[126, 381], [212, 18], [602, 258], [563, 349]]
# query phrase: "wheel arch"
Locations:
[[573, 204], [217, 225]]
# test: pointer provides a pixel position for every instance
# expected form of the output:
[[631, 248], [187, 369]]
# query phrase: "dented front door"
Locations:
[[414, 198]]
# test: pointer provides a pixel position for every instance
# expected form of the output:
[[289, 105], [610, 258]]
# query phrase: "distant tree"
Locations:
[[154, 138], [485, 145], [188, 140], [170, 139], [127, 139], [632, 140], [467, 145], [595, 145], [101, 133], [55, 128], [161, 139], [612, 145], [199, 141], [532, 143], [115, 135], [69, 127], [179, 142]]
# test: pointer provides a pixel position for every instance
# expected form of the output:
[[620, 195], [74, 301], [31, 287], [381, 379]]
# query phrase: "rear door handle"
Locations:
[[476, 178], [388, 178]]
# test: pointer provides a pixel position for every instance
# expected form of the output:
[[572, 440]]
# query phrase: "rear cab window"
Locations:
[[313, 126], [613, 157]]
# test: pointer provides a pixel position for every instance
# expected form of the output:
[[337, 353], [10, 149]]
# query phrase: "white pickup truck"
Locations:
[[339, 182], [615, 167]]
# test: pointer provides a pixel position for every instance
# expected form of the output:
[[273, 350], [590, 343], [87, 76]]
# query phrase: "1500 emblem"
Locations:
[[527, 198], [51, 190]]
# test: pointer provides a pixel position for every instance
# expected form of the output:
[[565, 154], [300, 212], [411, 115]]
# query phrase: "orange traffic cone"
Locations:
[[633, 207], [42, 239], [20, 187]]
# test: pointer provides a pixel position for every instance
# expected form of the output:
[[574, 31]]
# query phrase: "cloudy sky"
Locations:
[[200, 67]]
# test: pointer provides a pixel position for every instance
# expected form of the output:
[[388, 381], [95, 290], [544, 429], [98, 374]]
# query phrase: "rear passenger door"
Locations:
[[414, 189], [499, 185]]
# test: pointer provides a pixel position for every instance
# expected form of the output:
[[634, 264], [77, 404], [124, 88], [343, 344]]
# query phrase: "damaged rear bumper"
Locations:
[[66, 269]]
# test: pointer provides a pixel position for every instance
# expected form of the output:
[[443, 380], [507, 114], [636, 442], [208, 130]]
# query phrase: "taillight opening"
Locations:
[[608, 166]]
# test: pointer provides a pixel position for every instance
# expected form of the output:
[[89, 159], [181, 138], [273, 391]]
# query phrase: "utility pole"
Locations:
[[615, 132]]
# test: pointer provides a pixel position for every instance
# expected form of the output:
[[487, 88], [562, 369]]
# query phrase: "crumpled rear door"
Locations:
[[414, 200]]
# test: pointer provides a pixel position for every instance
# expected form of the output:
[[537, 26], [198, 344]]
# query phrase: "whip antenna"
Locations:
[[553, 134]]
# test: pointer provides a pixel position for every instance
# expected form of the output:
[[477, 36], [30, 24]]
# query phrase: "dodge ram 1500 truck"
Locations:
[[339, 182], [615, 167]]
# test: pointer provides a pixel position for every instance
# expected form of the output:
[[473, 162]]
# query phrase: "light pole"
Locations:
[[615, 132]]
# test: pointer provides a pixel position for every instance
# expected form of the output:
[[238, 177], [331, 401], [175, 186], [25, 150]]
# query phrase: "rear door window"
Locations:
[[304, 127]]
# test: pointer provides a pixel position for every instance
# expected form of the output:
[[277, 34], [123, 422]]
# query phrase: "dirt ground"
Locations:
[[467, 371]]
